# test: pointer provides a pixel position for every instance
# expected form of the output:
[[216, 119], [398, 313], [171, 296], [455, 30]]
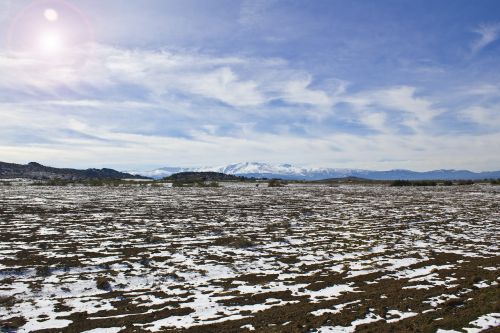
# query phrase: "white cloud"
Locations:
[[105, 143], [236, 81], [485, 116], [92, 127], [376, 121], [482, 90], [29, 74], [223, 84], [252, 12], [488, 33], [298, 91], [114, 147], [415, 111]]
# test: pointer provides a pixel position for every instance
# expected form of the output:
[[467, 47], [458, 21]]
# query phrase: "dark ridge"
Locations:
[[203, 177], [350, 179], [34, 170]]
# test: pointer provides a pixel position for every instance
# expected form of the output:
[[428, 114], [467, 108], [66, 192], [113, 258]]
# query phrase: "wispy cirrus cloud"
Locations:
[[156, 105], [89, 143], [387, 108], [252, 12], [234, 81], [485, 116], [488, 33], [229, 89]]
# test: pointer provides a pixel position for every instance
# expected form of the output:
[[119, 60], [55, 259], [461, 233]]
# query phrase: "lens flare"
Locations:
[[51, 14], [56, 30], [51, 42]]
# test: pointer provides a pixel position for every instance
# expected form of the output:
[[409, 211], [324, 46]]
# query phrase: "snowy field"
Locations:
[[245, 258]]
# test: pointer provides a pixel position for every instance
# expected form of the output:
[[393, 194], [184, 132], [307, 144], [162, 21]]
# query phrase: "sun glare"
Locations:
[[51, 14], [51, 42], [56, 31]]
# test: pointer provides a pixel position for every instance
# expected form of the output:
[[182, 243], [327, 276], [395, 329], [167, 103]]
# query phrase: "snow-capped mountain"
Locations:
[[256, 169], [264, 169], [161, 172], [288, 171], [285, 171]]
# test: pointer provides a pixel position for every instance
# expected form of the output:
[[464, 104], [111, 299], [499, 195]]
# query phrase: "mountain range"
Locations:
[[35, 170], [288, 171]]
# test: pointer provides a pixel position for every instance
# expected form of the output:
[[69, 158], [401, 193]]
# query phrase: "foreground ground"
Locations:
[[245, 258]]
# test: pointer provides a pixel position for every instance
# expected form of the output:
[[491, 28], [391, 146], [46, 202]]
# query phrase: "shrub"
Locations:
[[465, 182], [204, 184], [12, 324], [495, 181], [7, 301], [103, 283], [153, 239], [234, 241], [424, 183], [276, 183], [52, 182], [43, 271], [447, 183], [145, 261], [401, 182], [195, 184]]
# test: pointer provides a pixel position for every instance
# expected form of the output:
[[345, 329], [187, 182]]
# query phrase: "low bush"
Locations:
[[52, 182], [43, 271], [401, 182], [276, 183], [103, 283], [234, 241], [12, 324], [424, 183], [195, 184], [87, 182], [495, 181]]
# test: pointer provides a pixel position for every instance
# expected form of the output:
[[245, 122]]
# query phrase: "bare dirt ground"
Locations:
[[242, 258]]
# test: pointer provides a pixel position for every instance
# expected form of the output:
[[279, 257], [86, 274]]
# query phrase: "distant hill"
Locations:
[[37, 171], [290, 172], [349, 179], [203, 177]]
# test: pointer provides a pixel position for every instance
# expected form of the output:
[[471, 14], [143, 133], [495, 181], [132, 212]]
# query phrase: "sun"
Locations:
[[51, 42], [53, 31], [51, 14]]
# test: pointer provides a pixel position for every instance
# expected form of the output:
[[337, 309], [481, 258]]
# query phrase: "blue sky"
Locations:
[[355, 84]]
